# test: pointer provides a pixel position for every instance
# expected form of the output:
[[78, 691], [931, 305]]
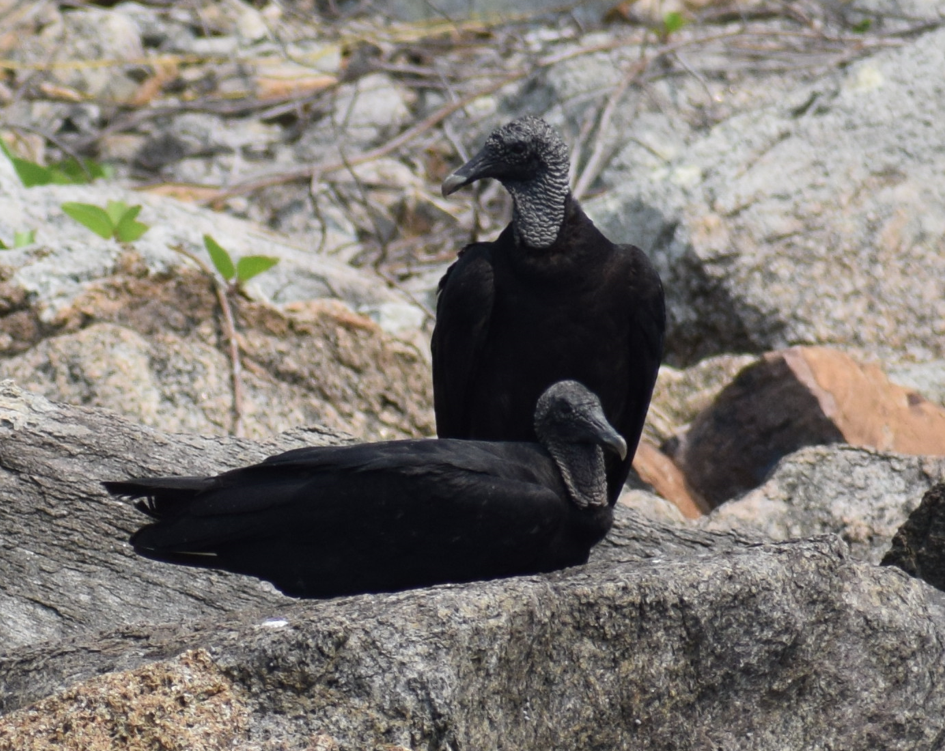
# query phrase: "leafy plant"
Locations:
[[67, 172], [863, 26], [118, 220], [21, 238], [672, 22], [70, 170], [227, 281], [243, 270]]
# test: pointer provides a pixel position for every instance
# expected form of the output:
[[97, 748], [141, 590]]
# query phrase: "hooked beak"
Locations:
[[611, 439], [478, 167], [453, 183]]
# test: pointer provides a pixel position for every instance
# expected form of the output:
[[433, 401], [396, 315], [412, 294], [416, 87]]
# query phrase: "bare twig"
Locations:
[[224, 107], [367, 205], [404, 137], [596, 160], [229, 330], [577, 152], [455, 142], [428, 314], [312, 172], [694, 73]]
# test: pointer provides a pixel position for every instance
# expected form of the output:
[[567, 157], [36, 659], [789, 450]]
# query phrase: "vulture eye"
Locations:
[[518, 148]]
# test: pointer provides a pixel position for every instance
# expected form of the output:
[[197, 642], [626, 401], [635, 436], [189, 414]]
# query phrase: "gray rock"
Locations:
[[68, 256], [863, 496], [168, 30], [52, 460], [750, 648], [651, 505], [927, 378], [671, 637], [770, 230], [375, 105], [889, 15], [150, 347], [89, 34]]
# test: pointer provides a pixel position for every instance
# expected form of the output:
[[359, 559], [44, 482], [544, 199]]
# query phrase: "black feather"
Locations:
[[321, 522], [516, 315]]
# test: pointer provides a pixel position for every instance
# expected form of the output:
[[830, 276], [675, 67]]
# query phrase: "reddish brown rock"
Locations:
[[658, 470], [799, 397]]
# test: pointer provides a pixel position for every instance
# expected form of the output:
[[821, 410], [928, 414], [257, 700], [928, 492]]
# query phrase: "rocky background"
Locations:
[[783, 165]]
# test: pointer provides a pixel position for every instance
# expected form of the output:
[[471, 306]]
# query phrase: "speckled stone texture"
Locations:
[[672, 637]]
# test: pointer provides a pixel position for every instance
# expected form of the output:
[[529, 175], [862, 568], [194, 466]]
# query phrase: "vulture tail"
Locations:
[[160, 497]]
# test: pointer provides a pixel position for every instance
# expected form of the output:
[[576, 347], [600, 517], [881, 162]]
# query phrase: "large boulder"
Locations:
[[813, 218], [859, 494], [799, 397], [671, 637], [779, 644], [139, 328]]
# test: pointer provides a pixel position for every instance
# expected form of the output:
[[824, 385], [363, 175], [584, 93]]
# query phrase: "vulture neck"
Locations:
[[539, 206], [583, 471]]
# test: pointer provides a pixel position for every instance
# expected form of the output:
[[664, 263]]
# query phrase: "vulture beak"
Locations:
[[611, 439], [478, 167]]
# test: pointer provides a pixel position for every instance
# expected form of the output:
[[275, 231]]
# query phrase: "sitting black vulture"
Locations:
[[550, 299], [329, 521]]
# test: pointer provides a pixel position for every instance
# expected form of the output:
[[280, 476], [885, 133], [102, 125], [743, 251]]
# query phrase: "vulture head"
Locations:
[[530, 159], [570, 424]]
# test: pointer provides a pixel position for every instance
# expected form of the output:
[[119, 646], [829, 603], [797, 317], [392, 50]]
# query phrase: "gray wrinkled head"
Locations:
[[568, 412], [529, 158], [571, 425], [520, 151]]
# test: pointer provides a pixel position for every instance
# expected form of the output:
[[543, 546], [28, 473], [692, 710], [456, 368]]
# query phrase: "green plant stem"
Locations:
[[229, 331]]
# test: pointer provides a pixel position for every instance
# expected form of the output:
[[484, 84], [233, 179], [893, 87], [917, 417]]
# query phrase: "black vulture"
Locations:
[[375, 517], [551, 299]]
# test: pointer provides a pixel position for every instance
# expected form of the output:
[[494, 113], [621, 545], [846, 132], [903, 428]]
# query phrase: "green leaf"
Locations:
[[70, 170], [4, 246], [249, 266], [221, 259], [116, 210], [24, 237], [673, 21], [133, 211], [863, 26], [128, 230], [31, 174], [67, 172], [93, 217], [58, 177]]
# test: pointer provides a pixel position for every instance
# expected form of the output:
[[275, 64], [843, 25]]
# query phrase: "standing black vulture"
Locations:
[[551, 299], [329, 521]]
